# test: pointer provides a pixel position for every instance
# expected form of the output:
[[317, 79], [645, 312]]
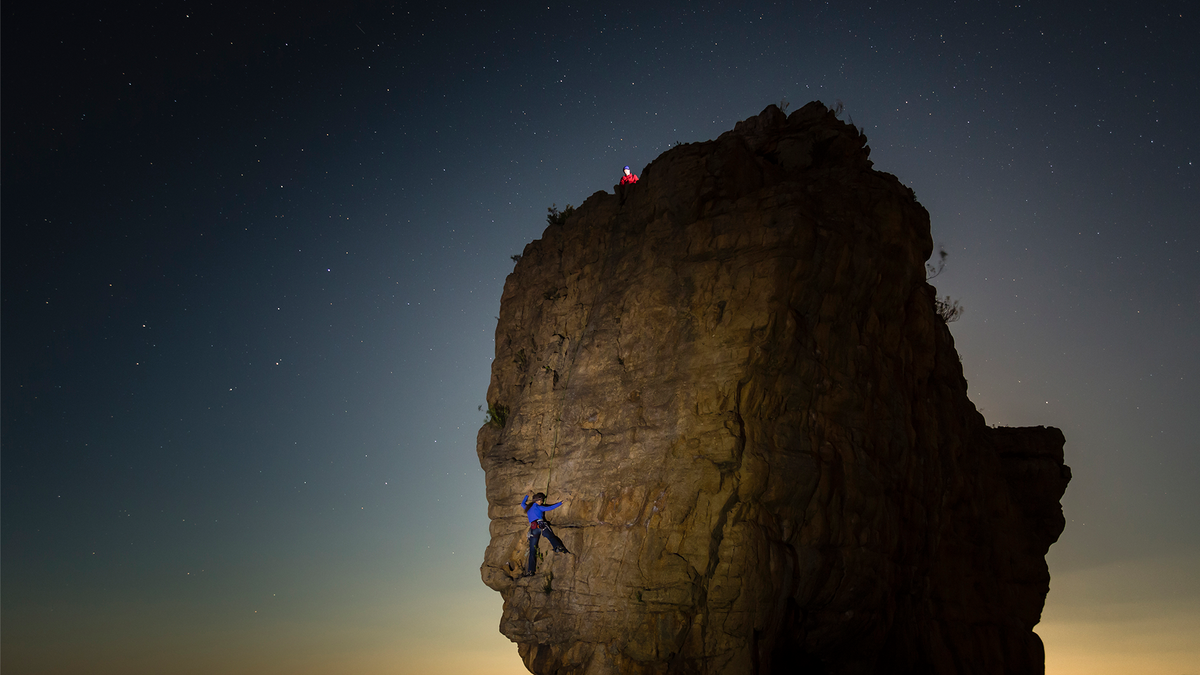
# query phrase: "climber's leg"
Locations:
[[531, 565]]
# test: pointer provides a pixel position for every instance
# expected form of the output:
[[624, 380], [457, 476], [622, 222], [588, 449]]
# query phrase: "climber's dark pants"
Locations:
[[536, 530]]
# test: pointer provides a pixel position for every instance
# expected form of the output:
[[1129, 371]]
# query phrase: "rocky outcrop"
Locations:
[[734, 375]]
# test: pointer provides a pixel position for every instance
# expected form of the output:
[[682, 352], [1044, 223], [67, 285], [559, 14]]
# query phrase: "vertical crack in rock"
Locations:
[[729, 475], [734, 376]]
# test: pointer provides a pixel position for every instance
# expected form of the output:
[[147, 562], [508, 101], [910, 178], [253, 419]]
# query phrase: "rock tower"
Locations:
[[735, 376]]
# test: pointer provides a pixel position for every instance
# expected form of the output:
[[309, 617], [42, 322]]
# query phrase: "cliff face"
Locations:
[[733, 375]]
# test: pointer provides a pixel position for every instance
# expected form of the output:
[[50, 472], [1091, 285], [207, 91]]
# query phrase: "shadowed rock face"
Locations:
[[733, 374]]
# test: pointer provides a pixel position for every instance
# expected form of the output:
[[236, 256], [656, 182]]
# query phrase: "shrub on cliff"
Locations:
[[948, 309], [556, 217]]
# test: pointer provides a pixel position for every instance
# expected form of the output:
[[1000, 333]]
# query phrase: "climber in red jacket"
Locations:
[[629, 177]]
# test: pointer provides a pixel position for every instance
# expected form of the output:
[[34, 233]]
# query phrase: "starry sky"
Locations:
[[252, 261]]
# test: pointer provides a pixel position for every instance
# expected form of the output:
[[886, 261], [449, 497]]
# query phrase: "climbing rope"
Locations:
[[566, 386], [612, 255]]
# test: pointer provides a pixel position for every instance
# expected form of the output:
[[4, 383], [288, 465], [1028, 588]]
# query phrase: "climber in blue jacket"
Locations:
[[535, 509]]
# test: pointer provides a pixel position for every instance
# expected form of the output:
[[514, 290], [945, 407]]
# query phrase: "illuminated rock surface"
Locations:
[[734, 375]]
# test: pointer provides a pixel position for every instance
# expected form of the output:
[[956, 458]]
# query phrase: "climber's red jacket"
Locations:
[[628, 180]]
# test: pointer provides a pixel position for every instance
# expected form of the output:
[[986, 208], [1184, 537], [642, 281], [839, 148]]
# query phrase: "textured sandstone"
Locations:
[[734, 375]]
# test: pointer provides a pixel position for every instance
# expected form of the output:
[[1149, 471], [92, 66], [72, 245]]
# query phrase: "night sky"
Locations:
[[252, 262]]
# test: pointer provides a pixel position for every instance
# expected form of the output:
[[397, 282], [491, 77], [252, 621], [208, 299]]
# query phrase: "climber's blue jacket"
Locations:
[[536, 510]]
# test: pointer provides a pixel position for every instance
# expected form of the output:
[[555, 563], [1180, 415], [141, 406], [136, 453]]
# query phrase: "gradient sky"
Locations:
[[252, 262]]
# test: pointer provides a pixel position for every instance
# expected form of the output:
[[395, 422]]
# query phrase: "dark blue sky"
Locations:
[[252, 260]]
